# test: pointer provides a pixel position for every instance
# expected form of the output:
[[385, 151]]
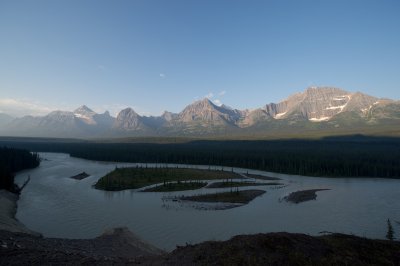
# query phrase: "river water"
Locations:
[[58, 206]]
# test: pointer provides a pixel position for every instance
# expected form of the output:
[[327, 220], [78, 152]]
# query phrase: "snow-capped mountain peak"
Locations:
[[332, 107], [85, 114]]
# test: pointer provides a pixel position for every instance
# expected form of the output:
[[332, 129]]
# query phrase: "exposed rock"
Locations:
[[116, 247], [254, 116], [206, 111], [85, 114], [129, 120], [315, 104], [168, 116], [260, 249], [280, 249]]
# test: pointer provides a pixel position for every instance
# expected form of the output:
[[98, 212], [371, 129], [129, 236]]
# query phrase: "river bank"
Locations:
[[8, 209], [22, 246]]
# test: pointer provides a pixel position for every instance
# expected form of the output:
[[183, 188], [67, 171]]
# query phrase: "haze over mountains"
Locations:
[[315, 109]]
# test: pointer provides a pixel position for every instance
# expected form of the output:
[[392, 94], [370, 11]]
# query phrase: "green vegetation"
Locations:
[[138, 177], [225, 184], [263, 177], [238, 196], [349, 156], [177, 186], [14, 160]]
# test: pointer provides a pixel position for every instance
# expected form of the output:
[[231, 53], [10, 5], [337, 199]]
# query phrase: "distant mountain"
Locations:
[[206, 112], [129, 121], [168, 116], [319, 104], [89, 117], [315, 110], [5, 119], [82, 123], [85, 114]]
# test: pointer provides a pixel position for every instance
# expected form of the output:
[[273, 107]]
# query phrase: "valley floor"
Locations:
[[19, 246]]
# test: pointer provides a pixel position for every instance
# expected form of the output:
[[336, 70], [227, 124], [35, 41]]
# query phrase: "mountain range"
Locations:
[[317, 109]]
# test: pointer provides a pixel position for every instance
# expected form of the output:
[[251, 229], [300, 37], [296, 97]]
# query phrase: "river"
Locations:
[[58, 206]]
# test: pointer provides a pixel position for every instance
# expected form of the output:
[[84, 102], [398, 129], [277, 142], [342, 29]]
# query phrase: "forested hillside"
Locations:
[[13, 160], [334, 157]]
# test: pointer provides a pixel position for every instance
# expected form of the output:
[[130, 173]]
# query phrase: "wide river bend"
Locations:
[[58, 206]]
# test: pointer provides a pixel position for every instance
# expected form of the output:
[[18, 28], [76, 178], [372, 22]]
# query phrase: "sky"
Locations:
[[162, 55]]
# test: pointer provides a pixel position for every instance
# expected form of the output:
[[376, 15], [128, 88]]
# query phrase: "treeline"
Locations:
[[13, 160], [335, 157]]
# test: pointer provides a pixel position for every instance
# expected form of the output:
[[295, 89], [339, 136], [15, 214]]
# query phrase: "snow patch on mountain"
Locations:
[[280, 115], [324, 118]]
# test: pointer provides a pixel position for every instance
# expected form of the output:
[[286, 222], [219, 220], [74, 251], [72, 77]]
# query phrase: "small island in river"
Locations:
[[139, 177], [225, 184], [239, 196], [80, 176], [176, 186], [263, 177], [303, 195]]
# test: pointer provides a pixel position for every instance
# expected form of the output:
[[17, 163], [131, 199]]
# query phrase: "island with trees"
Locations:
[[170, 179]]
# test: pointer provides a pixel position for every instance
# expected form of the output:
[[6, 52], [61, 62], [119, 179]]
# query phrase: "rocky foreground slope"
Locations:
[[261, 249]]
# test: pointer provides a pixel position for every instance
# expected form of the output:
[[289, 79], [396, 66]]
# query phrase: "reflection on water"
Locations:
[[58, 206]]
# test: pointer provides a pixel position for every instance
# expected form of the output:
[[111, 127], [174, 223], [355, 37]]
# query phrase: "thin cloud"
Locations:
[[222, 93], [163, 76], [209, 95], [19, 107]]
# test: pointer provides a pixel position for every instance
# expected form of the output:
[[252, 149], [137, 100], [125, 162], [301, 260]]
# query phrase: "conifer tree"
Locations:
[[390, 231]]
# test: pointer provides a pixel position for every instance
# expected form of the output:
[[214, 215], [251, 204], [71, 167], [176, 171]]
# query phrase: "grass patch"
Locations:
[[138, 177], [262, 177], [176, 186], [243, 196], [226, 184]]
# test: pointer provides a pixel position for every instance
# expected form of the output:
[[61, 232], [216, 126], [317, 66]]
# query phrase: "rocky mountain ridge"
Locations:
[[316, 107]]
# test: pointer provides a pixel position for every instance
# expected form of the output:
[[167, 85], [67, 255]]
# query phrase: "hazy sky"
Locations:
[[162, 55]]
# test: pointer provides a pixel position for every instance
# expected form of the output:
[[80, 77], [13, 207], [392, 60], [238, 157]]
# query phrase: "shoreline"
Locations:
[[120, 246], [8, 210], [113, 244]]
